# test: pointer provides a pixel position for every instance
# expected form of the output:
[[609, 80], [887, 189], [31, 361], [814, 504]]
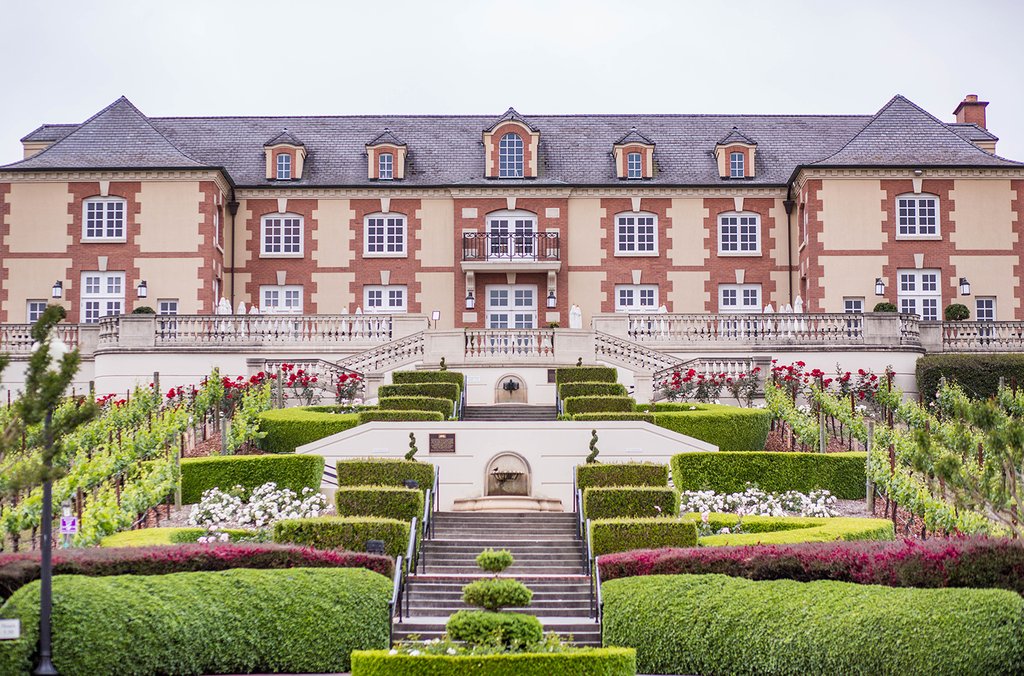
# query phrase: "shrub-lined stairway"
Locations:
[[548, 560]]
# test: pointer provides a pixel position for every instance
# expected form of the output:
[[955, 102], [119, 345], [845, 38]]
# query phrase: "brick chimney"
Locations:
[[971, 111]]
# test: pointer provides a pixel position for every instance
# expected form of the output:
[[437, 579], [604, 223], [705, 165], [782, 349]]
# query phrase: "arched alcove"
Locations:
[[507, 473], [514, 394]]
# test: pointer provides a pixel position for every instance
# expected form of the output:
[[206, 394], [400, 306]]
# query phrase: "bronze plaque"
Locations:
[[442, 443]]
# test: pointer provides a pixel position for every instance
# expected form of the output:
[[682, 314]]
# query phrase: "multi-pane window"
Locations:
[[736, 167], [853, 305], [510, 156], [167, 306], [390, 298], [281, 300], [35, 310], [512, 236], [739, 233], [511, 307], [104, 218], [634, 166], [218, 233], [919, 293], [739, 297], [636, 298], [385, 166], [917, 216], [385, 235], [284, 167], [102, 295], [282, 235], [636, 234], [985, 309]]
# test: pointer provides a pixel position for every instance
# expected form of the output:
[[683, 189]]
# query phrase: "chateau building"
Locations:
[[507, 221]]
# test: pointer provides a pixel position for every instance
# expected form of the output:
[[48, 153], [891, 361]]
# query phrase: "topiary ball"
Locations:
[[478, 627]]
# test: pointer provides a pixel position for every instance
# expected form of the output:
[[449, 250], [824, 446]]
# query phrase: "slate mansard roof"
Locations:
[[575, 150]]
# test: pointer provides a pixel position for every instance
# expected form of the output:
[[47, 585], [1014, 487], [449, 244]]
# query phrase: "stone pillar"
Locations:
[[881, 329], [931, 337], [137, 331]]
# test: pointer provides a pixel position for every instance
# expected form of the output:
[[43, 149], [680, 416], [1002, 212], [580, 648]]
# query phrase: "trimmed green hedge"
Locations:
[[390, 502], [622, 535], [598, 404], [729, 428], [384, 472], [399, 416], [289, 428], [249, 471], [630, 501], [792, 529], [978, 374], [349, 533], [715, 624], [448, 391], [586, 374], [443, 406], [413, 377], [842, 474], [591, 390], [580, 662], [621, 474], [300, 620], [638, 417], [480, 627], [146, 537]]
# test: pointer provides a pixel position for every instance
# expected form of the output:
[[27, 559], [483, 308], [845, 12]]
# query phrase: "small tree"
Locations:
[[491, 626], [957, 312]]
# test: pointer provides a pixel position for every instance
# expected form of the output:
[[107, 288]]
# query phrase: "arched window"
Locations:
[[510, 156], [634, 166], [512, 234], [917, 216], [385, 166], [284, 167], [636, 234], [384, 235], [736, 165], [103, 218]]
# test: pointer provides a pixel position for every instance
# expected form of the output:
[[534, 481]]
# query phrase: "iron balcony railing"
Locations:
[[530, 246]]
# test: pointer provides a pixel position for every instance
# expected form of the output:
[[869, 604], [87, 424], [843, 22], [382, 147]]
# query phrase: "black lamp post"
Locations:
[[45, 666]]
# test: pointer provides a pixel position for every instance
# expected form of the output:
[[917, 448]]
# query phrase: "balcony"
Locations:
[[511, 252]]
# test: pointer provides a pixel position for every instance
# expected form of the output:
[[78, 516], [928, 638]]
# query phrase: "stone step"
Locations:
[[583, 631], [446, 595], [431, 569], [541, 611], [469, 559]]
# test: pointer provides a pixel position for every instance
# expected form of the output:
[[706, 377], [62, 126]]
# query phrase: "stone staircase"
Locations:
[[507, 412], [548, 560]]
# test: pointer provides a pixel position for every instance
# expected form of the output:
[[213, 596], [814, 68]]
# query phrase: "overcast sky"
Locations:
[[63, 61]]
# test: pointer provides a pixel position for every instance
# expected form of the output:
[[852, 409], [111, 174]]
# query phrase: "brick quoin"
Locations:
[[757, 269], [1017, 206], [213, 258], [403, 269], [524, 134], [809, 258], [619, 268], [5, 210], [297, 270]]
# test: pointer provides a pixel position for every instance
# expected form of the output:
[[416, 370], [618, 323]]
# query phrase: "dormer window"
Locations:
[[385, 166], [284, 167], [736, 165], [385, 157], [634, 156], [510, 156], [634, 166]]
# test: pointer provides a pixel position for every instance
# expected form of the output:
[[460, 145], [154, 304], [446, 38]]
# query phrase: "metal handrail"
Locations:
[[511, 245], [437, 489], [424, 528], [587, 567], [579, 514], [410, 552], [596, 582], [396, 597]]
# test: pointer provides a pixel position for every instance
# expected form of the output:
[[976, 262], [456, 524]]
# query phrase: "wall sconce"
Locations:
[[965, 287], [879, 287], [58, 289], [142, 289], [470, 301], [552, 301]]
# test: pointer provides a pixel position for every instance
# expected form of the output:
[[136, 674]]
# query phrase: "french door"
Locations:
[[512, 306]]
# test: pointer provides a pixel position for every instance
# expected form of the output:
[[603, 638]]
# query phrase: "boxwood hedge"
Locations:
[[443, 406], [412, 377], [567, 390], [613, 416], [289, 428], [598, 404], [580, 662], [789, 529], [728, 427], [304, 620], [384, 472], [621, 474], [147, 537], [249, 471], [630, 501], [586, 374], [842, 474], [390, 502], [622, 535], [738, 626], [448, 391], [378, 415], [978, 374], [349, 533]]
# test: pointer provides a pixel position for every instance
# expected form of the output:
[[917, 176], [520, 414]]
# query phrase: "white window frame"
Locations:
[[742, 294], [281, 300], [742, 230], [512, 234], [167, 306], [102, 295], [34, 308], [989, 313], [515, 313], [217, 233], [511, 156], [915, 293], [283, 165], [393, 299], [853, 304], [113, 213], [737, 169], [385, 166], [282, 248], [634, 169], [392, 232], [908, 216], [628, 235], [636, 298]]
